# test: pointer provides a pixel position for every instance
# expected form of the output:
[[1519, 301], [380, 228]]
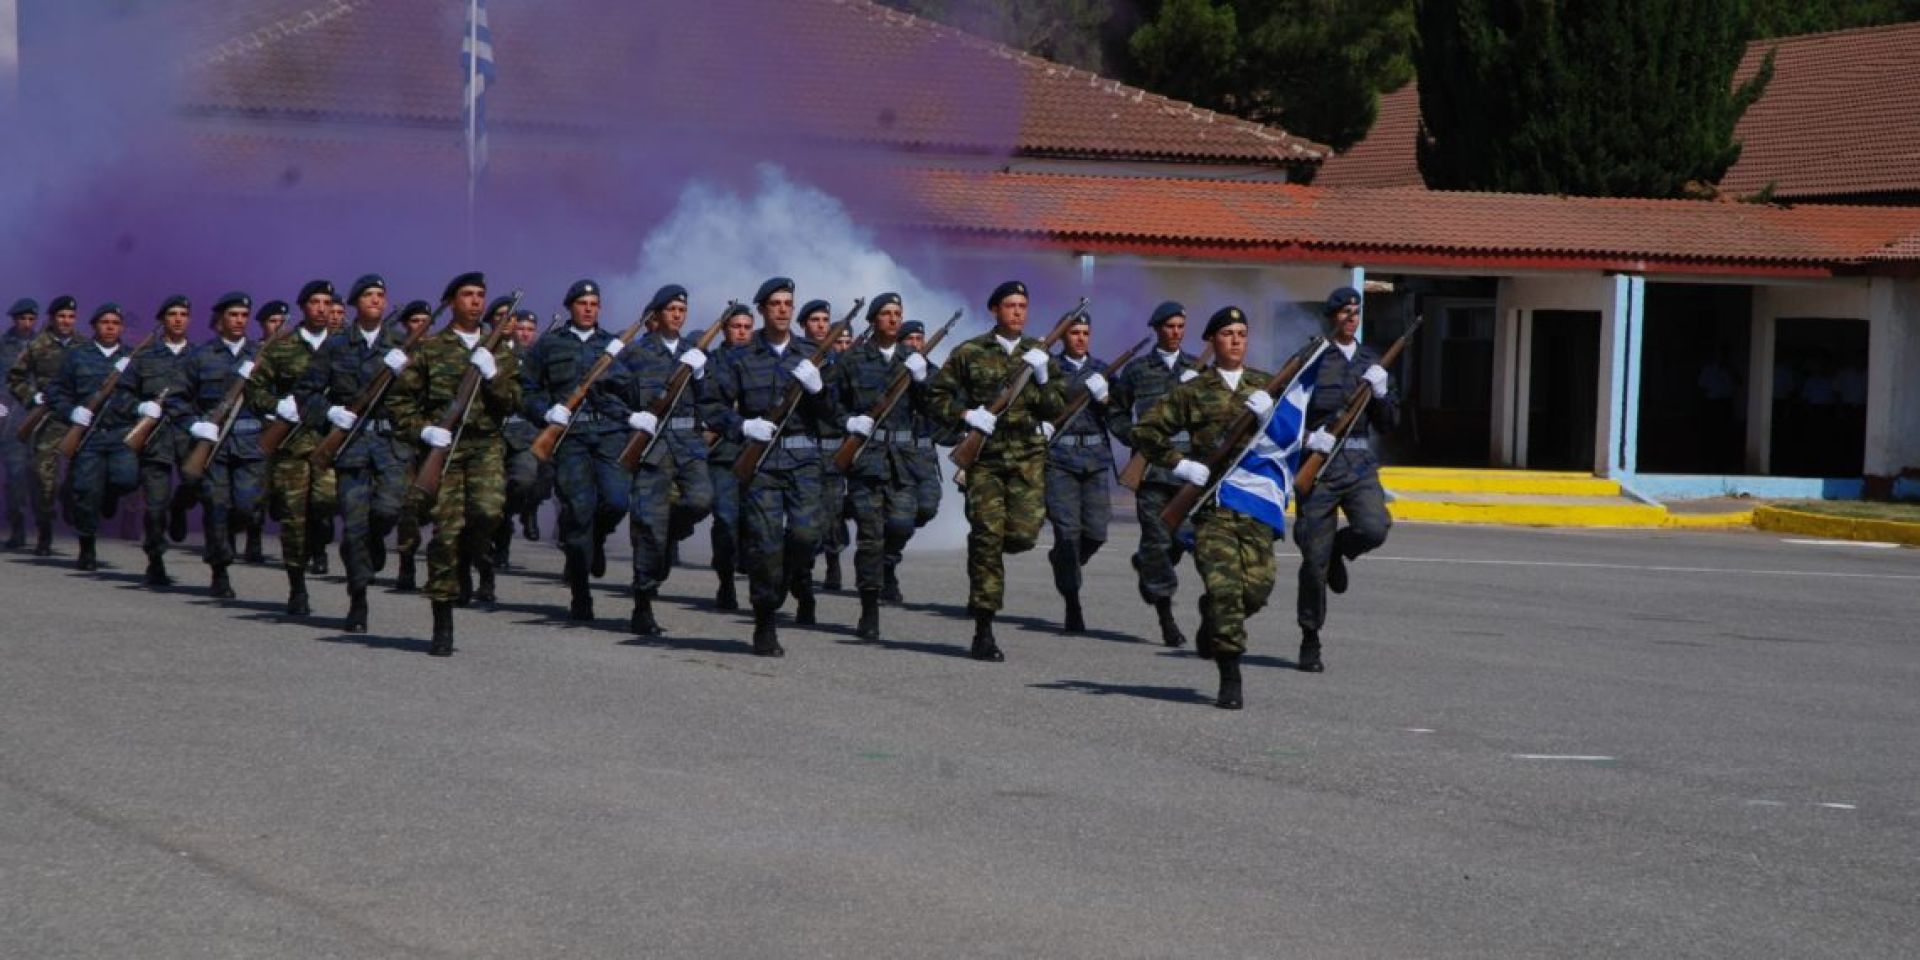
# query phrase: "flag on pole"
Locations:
[[476, 66], [1260, 484]]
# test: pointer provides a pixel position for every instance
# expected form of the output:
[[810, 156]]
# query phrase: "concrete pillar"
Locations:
[[1622, 330], [1760, 361], [1509, 374], [1893, 388]]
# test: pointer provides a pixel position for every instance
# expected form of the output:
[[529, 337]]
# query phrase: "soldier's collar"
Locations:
[[314, 338], [583, 335]]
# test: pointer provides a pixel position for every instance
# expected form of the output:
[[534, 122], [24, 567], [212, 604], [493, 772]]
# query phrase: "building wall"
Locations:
[[1893, 381]]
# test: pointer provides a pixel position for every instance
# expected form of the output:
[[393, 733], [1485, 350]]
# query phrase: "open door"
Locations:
[[1563, 391]]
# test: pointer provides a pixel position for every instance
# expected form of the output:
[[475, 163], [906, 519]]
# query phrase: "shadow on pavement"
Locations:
[[1169, 694]]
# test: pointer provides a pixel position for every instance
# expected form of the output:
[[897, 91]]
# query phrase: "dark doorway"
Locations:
[[1819, 398], [1562, 389], [1693, 378]]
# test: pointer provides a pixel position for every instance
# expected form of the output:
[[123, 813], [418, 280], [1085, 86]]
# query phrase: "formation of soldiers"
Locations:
[[779, 423]]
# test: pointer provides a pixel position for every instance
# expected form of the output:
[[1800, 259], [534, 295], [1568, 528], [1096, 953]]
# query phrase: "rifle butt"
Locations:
[[70, 443], [548, 440], [1180, 506], [426, 479], [274, 435], [194, 466], [636, 448], [748, 462], [30, 424], [136, 439], [328, 449], [1134, 473], [968, 449], [849, 451], [1309, 474]]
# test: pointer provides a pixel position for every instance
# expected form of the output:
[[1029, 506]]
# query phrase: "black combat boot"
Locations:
[[642, 623], [317, 564], [221, 588], [406, 581], [356, 610], [1203, 642], [1169, 631], [43, 546], [766, 640], [442, 645], [984, 647], [376, 551], [726, 598], [869, 628], [485, 592], [1337, 572], [530, 525], [157, 572], [1229, 699], [599, 567], [463, 577], [177, 518], [1076, 620], [832, 580], [87, 559], [1309, 659], [254, 554], [18, 537], [581, 609], [501, 555], [890, 589], [297, 605], [803, 603]]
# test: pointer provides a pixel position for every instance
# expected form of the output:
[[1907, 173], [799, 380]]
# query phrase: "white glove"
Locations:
[[1261, 402], [396, 360], [39, 398], [861, 424], [202, 430], [437, 436], [758, 430], [246, 370], [287, 410], [809, 376], [1097, 386], [614, 347], [1320, 441], [697, 359], [1376, 377], [148, 410], [559, 415], [1192, 471], [483, 361], [643, 421], [916, 366], [1186, 375], [979, 419], [342, 417], [4, 411], [121, 364], [1046, 430], [81, 417], [1037, 359]]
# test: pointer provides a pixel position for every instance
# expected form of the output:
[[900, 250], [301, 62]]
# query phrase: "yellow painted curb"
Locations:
[[1781, 520], [1731, 520], [1529, 514], [1516, 482]]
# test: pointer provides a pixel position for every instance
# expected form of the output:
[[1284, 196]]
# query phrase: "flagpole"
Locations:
[[473, 90]]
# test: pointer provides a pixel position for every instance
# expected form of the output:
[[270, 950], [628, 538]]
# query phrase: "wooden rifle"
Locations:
[[552, 433], [855, 444], [77, 434], [434, 465], [1084, 397], [232, 401], [1240, 435], [336, 440], [753, 451], [277, 432], [968, 449], [640, 443], [1357, 403], [1135, 472], [143, 428]]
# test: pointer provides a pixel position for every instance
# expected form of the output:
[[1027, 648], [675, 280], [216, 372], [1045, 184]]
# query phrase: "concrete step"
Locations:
[[1527, 510], [1518, 482]]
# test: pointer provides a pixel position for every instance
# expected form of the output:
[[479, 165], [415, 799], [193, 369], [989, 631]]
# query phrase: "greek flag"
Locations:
[[476, 67], [1263, 480]]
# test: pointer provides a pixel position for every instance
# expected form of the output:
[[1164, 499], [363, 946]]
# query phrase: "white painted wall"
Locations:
[[1893, 376], [1516, 302]]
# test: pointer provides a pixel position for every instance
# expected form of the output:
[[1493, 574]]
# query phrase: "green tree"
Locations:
[[1584, 97], [1785, 18], [1065, 31]]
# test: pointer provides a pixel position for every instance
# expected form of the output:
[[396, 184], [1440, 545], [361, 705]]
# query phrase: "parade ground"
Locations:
[[1542, 743]]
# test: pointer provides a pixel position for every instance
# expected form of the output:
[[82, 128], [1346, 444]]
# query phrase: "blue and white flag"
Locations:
[[1263, 480], [476, 69]]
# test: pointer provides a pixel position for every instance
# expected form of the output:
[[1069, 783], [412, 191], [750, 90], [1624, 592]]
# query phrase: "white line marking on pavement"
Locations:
[[1562, 756], [1829, 574], [1870, 544], [1419, 729], [1765, 803], [1837, 806]]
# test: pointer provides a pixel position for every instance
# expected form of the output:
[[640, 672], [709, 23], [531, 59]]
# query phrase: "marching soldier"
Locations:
[[1079, 458], [782, 504], [155, 388], [924, 460], [29, 380], [529, 480], [593, 488], [884, 481], [671, 490], [1135, 392], [1350, 481], [284, 389], [415, 315], [1233, 551], [726, 531], [14, 452], [103, 470], [472, 497], [231, 488], [271, 317], [1006, 486], [836, 506]]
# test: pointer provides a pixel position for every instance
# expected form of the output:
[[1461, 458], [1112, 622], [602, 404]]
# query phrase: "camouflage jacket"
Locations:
[[858, 380], [1136, 389], [209, 368], [13, 347], [421, 396], [286, 368], [974, 374], [157, 371], [38, 365], [1203, 408], [1082, 445]]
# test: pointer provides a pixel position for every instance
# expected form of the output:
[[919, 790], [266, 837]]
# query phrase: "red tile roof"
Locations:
[[1222, 219], [1386, 157], [840, 70]]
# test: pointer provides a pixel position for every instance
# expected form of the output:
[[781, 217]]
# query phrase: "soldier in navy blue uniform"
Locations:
[[835, 508], [235, 481], [104, 469], [593, 488], [726, 533], [1079, 460], [782, 505], [929, 435], [14, 452], [1350, 482], [155, 388]]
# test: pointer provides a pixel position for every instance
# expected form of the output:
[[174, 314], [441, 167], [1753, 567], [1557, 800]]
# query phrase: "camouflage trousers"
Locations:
[[14, 457], [592, 485], [471, 501], [884, 509], [375, 474], [782, 512], [1235, 555], [1352, 488], [1160, 549], [1006, 503], [45, 460], [230, 491], [725, 534], [302, 500], [666, 498], [101, 474], [1079, 506]]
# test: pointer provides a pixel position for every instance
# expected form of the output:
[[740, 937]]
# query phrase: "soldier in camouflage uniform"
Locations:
[[1006, 494], [103, 470], [472, 498], [235, 477], [884, 481], [414, 316], [155, 388], [529, 479], [14, 452], [725, 534], [285, 386], [1233, 551], [1079, 458], [782, 504], [671, 490], [272, 317], [28, 379], [1135, 391]]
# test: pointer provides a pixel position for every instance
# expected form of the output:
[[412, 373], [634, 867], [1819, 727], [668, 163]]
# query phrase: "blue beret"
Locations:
[[231, 299], [106, 308], [812, 307], [313, 289], [1166, 311], [666, 295], [1005, 290], [415, 308], [23, 305], [519, 315], [1224, 317], [737, 310], [177, 300], [580, 288], [881, 302], [912, 327], [772, 286], [270, 309], [371, 281], [498, 304], [63, 302], [472, 278], [1344, 296]]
